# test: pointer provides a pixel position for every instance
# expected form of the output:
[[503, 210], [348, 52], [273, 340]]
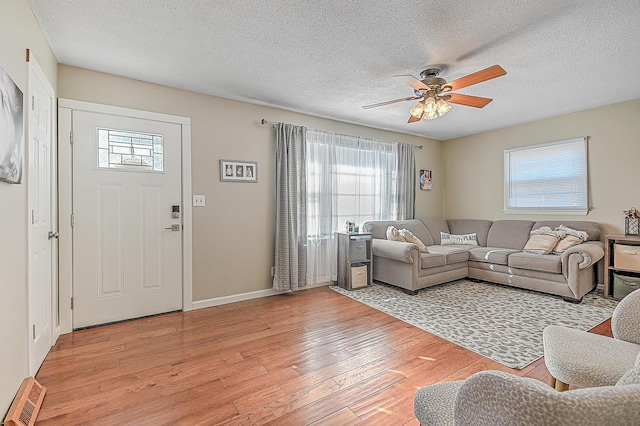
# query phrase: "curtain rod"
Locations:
[[273, 123]]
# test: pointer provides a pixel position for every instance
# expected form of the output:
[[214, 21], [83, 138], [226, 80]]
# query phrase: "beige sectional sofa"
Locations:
[[497, 257]]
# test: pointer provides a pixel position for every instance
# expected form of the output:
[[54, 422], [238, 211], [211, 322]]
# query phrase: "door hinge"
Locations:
[[72, 303], [33, 103], [72, 220], [34, 331], [71, 137], [33, 217]]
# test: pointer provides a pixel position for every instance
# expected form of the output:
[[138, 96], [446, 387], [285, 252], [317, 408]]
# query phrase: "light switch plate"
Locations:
[[199, 201]]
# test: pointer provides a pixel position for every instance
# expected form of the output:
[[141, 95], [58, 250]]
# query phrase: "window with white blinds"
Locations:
[[548, 178]]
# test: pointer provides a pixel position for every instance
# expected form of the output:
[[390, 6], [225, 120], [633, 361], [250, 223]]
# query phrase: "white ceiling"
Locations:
[[328, 58]]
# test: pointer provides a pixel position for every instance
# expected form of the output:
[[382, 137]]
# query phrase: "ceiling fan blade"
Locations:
[[412, 98], [472, 101], [476, 77], [410, 80], [413, 119]]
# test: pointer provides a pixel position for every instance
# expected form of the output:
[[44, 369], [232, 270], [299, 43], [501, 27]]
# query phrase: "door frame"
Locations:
[[65, 166]]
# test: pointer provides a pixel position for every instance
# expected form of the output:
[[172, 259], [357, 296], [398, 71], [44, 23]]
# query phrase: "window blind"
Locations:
[[549, 178]]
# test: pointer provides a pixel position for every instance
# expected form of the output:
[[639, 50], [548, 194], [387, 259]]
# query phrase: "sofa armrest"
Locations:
[[396, 250], [588, 254]]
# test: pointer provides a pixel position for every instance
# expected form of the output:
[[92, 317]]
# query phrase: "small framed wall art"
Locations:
[[238, 171], [425, 180]]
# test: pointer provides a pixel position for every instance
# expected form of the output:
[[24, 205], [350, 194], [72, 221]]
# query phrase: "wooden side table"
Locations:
[[626, 269]]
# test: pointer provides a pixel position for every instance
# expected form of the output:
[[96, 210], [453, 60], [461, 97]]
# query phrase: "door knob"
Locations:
[[52, 235], [174, 227]]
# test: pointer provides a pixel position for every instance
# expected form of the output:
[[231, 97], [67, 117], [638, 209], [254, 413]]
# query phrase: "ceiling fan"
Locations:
[[434, 92]]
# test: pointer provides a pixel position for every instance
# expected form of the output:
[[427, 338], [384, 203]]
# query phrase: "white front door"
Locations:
[[127, 218], [41, 170]]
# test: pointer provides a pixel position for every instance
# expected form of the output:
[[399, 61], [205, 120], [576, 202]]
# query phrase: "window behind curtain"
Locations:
[[550, 178], [348, 178]]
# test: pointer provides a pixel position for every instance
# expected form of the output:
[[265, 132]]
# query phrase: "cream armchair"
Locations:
[[494, 398], [586, 359]]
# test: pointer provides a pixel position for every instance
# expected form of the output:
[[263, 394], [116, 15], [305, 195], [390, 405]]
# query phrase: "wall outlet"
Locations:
[[199, 201], [273, 271]]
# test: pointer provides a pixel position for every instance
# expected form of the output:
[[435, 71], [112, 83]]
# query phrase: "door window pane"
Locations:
[[119, 149]]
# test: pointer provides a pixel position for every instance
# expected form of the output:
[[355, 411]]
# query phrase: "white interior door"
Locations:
[[127, 218], [41, 172]]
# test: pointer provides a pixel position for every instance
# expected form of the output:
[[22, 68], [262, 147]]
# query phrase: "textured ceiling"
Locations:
[[328, 58]]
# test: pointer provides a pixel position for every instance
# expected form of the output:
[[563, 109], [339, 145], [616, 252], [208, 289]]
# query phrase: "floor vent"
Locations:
[[25, 407]]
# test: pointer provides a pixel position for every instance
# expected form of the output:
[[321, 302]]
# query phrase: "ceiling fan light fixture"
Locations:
[[417, 110], [430, 105], [430, 115], [442, 107]]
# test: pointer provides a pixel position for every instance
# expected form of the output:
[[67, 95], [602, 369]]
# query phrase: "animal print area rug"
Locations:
[[501, 323]]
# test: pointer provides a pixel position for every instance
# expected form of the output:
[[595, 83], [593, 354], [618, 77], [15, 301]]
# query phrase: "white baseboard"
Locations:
[[217, 301]]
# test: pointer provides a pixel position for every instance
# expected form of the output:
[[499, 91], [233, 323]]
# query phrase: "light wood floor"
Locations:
[[312, 357]]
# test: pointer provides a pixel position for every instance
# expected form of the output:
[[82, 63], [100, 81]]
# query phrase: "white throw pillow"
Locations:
[[410, 238], [393, 234], [464, 239]]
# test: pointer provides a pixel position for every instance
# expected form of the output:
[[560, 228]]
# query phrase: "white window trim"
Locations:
[[583, 210]]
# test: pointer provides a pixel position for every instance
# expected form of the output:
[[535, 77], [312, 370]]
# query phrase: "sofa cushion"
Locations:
[[493, 255], [431, 260], [435, 227], [467, 226], [418, 229], [511, 234], [453, 254], [536, 262]]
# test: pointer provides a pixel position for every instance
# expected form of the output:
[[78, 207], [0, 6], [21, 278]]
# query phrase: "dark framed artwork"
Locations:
[[425, 180], [238, 171], [11, 129]]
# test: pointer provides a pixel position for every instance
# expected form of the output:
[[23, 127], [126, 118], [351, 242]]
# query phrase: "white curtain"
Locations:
[[324, 179], [348, 178]]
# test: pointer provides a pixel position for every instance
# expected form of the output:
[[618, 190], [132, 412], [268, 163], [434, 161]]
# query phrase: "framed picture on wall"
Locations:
[[425, 180], [11, 129], [238, 171]]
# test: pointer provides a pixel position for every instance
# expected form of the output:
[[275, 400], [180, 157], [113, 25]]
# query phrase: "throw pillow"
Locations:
[[464, 239], [410, 238], [542, 240], [567, 242], [574, 232], [572, 238], [393, 234]]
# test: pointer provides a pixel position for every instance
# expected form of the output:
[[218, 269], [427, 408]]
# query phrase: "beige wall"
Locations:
[[474, 164], [18, 31], [233, 236]]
